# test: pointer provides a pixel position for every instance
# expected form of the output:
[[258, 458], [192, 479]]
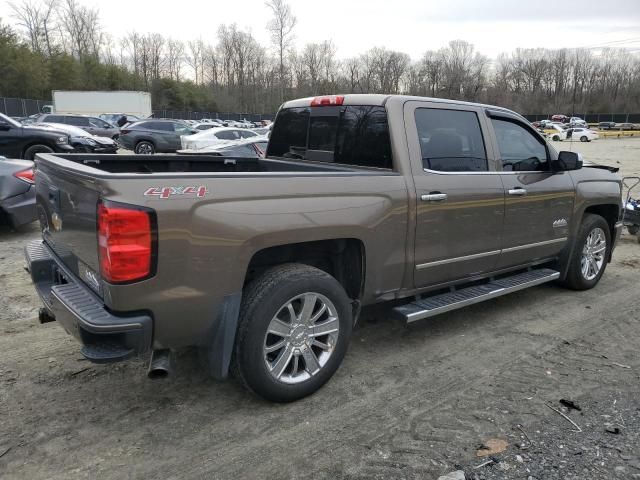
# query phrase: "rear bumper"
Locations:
[[21, 209], [105, 337]]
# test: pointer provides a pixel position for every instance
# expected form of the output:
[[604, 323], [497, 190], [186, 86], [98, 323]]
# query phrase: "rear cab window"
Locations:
[[356, 135], [451, 140]]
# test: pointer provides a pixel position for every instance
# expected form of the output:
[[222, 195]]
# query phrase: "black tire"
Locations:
[[584, 138], [262, 299], [555, 138], [30, 153], [575, 279], [145, 147], [633, 229]]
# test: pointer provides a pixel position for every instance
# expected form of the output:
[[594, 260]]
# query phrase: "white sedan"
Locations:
[[582, 134], [213, 136]]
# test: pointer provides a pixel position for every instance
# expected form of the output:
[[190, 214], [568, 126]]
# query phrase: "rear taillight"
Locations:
[[26, 176], [126, 242], [327, 100]]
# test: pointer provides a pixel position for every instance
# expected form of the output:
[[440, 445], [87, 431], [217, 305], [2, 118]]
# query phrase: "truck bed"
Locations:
[[168, 163]]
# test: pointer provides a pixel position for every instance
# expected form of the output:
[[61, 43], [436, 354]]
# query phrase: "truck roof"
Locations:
[[382, 99]]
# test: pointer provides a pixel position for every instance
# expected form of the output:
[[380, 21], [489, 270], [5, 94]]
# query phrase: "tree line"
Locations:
[[61, 45]]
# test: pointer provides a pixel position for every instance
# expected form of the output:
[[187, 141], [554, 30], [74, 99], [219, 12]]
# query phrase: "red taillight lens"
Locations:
[[26, 176], [327, 100], [125, 243]]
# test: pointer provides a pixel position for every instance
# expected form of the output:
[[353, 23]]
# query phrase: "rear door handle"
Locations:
[[434, 197], [517, 191]]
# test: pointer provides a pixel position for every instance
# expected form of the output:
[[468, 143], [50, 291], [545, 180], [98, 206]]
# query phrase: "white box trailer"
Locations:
[[95, 103]]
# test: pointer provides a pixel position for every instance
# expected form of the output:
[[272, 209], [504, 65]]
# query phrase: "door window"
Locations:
[[450, 140], [53, 119], [181, 129], [98, 123], [520, 150]]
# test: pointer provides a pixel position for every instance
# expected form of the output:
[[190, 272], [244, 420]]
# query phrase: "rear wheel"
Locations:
[[590, 253], [145, 148], [555, 138], [30, 153], [584, 138], [295, 326]]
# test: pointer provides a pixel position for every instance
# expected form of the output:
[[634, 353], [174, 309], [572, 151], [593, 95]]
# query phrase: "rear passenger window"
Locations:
[[53, 119], [77, 121], [520, 150], [351, 135], [450, 140]]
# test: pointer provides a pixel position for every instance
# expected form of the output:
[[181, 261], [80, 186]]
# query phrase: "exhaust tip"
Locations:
[[160, 364]]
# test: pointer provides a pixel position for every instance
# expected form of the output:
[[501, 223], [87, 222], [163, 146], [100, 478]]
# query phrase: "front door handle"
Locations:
[[517, 191], [434, 197]]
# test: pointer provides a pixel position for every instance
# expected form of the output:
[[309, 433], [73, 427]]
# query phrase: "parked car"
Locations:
[[559, 118], [151, 136], [17, 192], [606, 125], [114, 118], [626, 126], [24, 141], [84, 142], [266, 263], [577, 122], [92, 125], [254, 147], [214, 136], [205, 125], [582, 134]]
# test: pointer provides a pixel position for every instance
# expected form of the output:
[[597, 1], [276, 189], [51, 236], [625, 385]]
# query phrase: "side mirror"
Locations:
[[4, 126], [567, 161]]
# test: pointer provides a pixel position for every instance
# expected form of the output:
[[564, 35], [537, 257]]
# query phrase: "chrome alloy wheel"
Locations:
[[301, 338], [593, 254]]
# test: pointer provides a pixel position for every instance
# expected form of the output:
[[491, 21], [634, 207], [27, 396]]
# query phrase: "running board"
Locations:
[[445, 302]]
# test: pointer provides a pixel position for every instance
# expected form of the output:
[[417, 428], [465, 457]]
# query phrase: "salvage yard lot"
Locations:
[[408, 402]]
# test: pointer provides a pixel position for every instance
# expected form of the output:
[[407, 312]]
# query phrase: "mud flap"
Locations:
[[219, 349]]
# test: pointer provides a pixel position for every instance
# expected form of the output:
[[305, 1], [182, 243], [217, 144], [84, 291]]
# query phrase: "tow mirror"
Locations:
[[567, 161]]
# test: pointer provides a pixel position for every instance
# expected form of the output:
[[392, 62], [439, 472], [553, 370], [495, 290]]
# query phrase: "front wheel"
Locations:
[[555, 138], [294, 329], [584, 138], [30, 153], [590, 253]]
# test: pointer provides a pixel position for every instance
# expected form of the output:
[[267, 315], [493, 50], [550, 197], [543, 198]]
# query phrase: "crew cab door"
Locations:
[[11, 139], [459, 195], [538, 202]]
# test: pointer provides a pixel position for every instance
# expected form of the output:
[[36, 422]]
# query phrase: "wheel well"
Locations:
[[34, 144], [341, 258], [609, 212]]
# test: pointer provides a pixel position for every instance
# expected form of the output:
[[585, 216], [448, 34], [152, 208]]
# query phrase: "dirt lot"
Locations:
[[409, 402]]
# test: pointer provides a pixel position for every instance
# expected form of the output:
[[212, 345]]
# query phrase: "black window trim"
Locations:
[[512, 118]]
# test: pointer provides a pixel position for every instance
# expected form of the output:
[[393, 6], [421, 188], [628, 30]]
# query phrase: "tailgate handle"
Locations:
[[54, 197]]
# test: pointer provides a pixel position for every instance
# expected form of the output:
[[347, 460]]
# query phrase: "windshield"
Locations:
[[9, 120]]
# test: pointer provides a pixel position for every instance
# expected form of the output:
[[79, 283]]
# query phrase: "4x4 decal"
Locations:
[[168, 192]]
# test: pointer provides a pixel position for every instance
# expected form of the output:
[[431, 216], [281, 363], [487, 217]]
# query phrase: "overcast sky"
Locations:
[[411, 26]]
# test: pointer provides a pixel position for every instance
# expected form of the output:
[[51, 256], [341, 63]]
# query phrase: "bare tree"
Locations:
[[38, 21], [281, 27], [175, 58]]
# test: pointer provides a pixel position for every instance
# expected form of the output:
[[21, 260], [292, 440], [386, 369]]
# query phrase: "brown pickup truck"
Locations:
[[264, 264]]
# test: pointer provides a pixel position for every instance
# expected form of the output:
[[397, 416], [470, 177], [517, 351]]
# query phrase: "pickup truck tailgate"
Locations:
[[67, 210]]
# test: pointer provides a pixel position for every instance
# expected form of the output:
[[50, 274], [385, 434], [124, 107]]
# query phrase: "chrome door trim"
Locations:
[[533, 245], [487, 254], [457, 259]]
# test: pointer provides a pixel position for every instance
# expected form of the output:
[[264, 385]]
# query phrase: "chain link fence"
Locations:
[[23, 107]]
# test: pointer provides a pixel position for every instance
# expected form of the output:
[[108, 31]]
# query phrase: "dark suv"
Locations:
[[22, 141], [93, 125], [151, 136]]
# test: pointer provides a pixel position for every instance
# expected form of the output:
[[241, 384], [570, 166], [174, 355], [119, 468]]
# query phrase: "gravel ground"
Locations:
[[411, 402]]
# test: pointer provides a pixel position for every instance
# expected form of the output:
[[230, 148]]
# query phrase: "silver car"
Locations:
[[93, 125]]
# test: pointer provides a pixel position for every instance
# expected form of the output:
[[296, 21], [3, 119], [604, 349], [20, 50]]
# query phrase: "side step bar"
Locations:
[[445, 302]]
